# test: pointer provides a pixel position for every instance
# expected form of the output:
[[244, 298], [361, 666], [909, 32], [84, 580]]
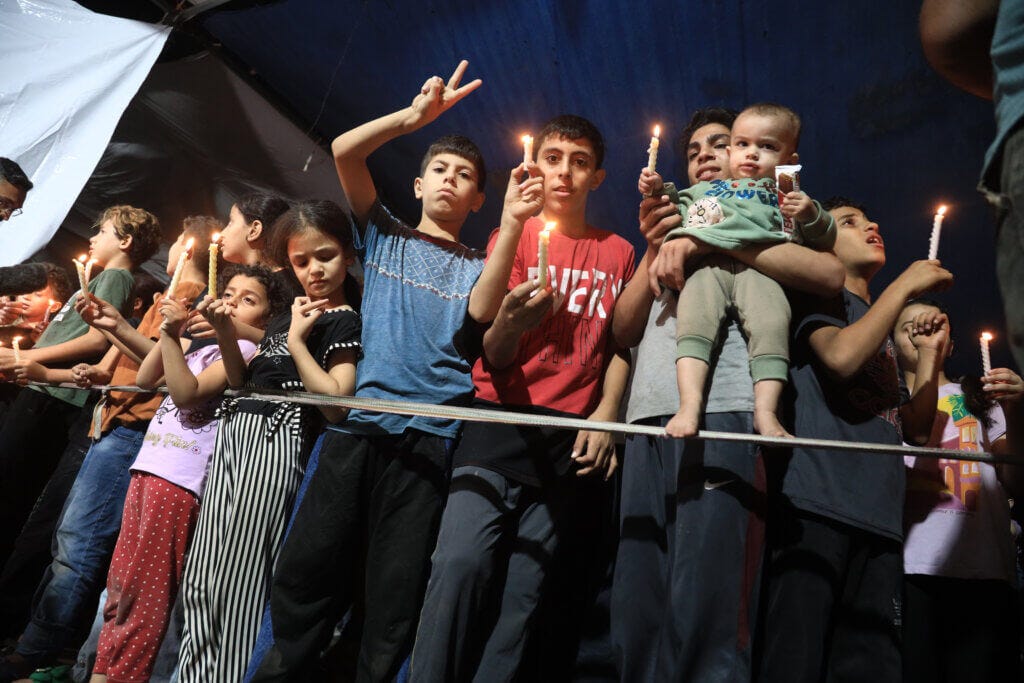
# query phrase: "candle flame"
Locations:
[[17, 340], [83, 258], [527, 138], [549, 226], [215, 238], [987, 336], [657, 131], [941, 211]]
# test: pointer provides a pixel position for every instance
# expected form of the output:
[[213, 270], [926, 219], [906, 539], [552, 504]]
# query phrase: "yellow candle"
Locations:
[[212, 285], [933, 242], [184, 256], [543, 242], [986, 360], [80, 268], [652, 151], [16, 343], [527, 149]]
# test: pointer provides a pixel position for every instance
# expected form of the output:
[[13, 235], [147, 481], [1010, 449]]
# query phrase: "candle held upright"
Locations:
[[212, 280], [986, 359], [185, 255], [652, 151], [543, 243], [933, 242]]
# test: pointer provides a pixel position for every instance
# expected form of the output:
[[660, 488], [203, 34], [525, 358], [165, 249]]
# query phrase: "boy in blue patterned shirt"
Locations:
[[374, 503]]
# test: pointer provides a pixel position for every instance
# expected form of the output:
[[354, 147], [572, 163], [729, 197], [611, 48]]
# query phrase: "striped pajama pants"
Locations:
[[255, 472]]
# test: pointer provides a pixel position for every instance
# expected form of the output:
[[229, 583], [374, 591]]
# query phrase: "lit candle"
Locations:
[[80, 267], [652, 151], [49, 312], [933, 243], [986, 360], [184, 256], [212, 285], [16, 344], [527, 149], [543, 241], [88, 270]]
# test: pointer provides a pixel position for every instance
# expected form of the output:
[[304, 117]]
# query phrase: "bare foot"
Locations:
[[684, 424], [766, 423]]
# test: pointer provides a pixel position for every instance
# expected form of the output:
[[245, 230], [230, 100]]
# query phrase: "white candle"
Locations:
[[652, 151], [184, 256], [212, 284], [16, 343], [88, 270], [49, 312], [80, 268], [527, 149], [933, 242], [543, 241], [986, 360]]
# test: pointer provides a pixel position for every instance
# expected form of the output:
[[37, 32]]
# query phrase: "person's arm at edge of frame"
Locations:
[[956, 37]]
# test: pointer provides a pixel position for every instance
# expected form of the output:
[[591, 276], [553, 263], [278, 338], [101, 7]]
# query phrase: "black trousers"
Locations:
[[366, 527], [35, 433], [833, 602], [960, 630]]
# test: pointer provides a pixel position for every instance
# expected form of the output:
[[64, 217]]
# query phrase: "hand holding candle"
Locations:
[[212, 284], [527, 149], [933, 242], [652, 151], [186, 253], [986, 359], [543, 242]]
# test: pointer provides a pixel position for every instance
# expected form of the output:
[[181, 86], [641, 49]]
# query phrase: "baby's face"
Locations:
[[759, 144]]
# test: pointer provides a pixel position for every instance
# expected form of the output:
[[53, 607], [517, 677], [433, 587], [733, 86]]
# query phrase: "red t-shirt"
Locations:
[[560, 363]]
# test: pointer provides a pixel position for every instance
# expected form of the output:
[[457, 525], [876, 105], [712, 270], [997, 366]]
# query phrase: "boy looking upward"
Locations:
[[730, 214], [835, 537], [549, 351], [372, 508]]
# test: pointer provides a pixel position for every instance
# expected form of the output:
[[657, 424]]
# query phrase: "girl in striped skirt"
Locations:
[[262, 445]]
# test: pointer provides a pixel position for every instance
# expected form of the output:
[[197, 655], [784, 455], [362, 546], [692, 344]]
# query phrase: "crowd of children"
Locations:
[[243, 538]]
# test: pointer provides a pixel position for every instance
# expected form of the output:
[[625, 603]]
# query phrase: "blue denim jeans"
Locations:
[[85, 540]]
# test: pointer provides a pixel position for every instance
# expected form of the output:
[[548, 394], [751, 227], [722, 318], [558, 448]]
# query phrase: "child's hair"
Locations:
[[142, 226], [265, 208], [201, 229], [12, 173], [836, 201], [323, 216], [570, 127], [59, 282], [780, 110], [277, 297], [975, 399], [459, 145], [144, 286]]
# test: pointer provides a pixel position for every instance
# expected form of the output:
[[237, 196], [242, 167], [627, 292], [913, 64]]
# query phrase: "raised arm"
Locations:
[[956, 36], [844, 351], [352, 148], [101, 315], [930, 334], [522, 200]]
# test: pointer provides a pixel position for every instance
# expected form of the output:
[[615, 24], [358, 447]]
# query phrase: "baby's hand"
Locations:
[[799, 206], [650, 183]]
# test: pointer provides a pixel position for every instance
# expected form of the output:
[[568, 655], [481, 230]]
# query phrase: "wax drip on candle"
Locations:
[[933, 241], [986, 359], [543, 242], [652, 151]]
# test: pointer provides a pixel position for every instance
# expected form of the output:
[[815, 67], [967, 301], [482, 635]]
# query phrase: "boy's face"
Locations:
[[570, 172], [759, 144], [448, 188], [105, 244], [707, 154], [859, 245], [37, 303]]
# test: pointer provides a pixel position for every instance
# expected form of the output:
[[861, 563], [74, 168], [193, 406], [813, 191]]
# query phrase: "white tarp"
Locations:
[[66, 76]]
